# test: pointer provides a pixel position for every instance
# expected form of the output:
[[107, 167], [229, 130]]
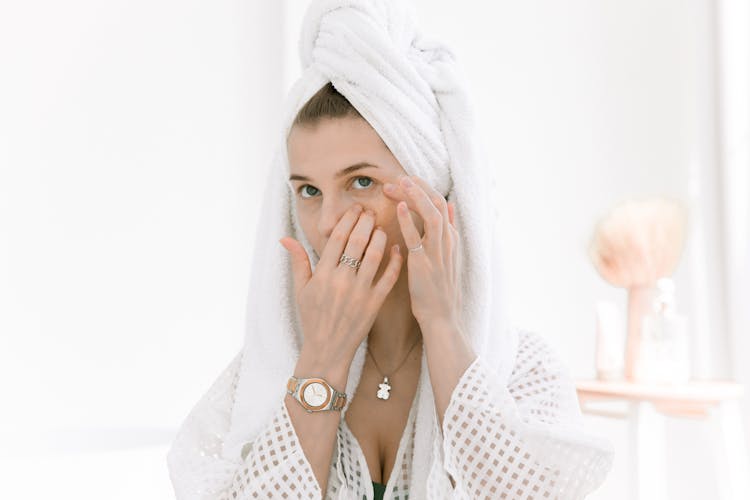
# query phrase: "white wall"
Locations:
[[733, 40], [131, 137]]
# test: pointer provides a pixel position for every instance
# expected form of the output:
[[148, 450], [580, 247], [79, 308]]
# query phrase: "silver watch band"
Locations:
[[335, 402]]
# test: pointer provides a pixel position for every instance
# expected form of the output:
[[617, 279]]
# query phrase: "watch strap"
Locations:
[[336, 402]]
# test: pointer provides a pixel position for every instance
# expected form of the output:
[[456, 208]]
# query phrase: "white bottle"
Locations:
[[664, 355]]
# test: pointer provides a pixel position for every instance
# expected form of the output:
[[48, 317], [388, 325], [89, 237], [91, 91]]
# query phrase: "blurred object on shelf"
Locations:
[[664, 355], [637, 243], [609, 341]]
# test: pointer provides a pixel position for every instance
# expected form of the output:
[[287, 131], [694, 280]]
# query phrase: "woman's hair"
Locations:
[[325, 103]]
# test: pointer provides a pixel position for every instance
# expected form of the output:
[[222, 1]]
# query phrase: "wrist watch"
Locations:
[[315, 394]]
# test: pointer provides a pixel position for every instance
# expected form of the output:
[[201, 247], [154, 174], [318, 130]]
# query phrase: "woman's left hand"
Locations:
[[434, 271]]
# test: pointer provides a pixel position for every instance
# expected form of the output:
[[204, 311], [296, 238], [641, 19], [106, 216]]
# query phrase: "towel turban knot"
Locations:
[[395, 77]]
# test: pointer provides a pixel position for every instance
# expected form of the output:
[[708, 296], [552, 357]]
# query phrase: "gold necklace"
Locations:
[[384, 386]]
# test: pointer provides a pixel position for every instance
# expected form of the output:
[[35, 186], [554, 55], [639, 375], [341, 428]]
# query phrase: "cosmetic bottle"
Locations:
[[664, 355]]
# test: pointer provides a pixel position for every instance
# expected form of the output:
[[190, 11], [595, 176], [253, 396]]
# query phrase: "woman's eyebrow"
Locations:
[[341, 173]]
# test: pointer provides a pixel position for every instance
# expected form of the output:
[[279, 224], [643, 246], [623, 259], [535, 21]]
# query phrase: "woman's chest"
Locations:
[[379, 424]]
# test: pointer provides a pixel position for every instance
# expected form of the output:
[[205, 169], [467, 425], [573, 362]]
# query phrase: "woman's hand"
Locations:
[[339, 304], [434, 271]]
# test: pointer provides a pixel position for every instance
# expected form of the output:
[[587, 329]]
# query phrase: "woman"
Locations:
[[377, 361]]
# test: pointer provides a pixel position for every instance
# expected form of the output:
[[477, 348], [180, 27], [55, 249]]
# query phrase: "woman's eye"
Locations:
[[368, 183], [359, 183], [304, 189]]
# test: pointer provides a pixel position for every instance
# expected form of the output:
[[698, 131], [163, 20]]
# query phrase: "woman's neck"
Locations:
[[395, 329]]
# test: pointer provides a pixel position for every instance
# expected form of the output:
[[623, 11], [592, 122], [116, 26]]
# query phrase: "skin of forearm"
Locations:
[[448, 356], [317, 430]]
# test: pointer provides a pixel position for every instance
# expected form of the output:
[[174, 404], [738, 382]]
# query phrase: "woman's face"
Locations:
[[336, 164]]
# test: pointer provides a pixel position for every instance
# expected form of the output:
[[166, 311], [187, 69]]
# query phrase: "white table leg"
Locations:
[[647, 468], [730, 453]]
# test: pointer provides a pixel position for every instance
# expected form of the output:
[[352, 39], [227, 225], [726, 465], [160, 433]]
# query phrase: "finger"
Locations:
[[373, 255], [359, 237], [452, 213], [339, 237], [390, 274], [438, 200], [301, 270], [408, 229], [394, 191], [433, 220]]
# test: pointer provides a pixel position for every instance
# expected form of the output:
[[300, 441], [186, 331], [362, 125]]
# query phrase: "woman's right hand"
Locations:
[[338, 304]]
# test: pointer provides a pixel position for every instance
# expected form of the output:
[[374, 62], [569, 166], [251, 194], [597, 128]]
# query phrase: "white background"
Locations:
[[133, 139]]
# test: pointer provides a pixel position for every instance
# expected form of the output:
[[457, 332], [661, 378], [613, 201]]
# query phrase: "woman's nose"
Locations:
[[330, 215]]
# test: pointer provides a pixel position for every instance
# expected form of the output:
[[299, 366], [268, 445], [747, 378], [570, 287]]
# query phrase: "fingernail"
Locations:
[[406, 182], [389, 188]]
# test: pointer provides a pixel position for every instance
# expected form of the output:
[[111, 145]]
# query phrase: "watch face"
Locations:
[[315, 394]]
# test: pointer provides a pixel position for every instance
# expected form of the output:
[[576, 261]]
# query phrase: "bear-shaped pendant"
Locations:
[[384, 391]]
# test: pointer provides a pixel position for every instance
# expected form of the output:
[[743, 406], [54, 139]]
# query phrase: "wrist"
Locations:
[[445, 336], [447, 325], [334, 370]]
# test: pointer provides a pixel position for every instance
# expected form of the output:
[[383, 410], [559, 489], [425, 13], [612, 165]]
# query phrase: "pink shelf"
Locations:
[[688, 399]]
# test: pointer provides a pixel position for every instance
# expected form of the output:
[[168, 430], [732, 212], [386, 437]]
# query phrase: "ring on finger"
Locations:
[[418, 247], [350, 261]]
